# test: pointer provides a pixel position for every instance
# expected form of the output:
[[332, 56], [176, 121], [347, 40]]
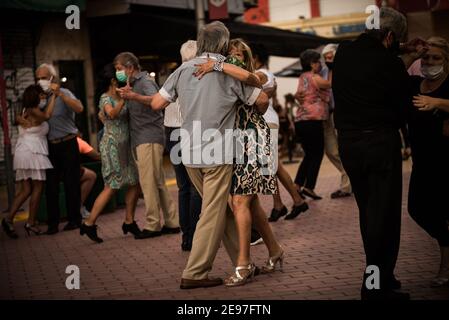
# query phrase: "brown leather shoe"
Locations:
[[203, 283]]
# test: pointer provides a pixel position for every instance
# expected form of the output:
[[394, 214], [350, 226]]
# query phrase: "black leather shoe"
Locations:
[[384, 295], [296, 210], [310, 194], [276, 214], [339, 194], [52, 230], [91, 232], [145, 234], [395, 284], [186, 246], [167, 230], [203, 283], [132, 228], [71, 226]]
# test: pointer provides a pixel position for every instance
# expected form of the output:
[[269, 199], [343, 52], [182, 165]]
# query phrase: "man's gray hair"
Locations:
[[51, 69], [394, 21], [188, 50], [127, 59], [213, 38], [330, 47]]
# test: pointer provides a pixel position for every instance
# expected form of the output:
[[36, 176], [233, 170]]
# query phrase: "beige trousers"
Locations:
[[331, 150], [149, 158], [216, 221]]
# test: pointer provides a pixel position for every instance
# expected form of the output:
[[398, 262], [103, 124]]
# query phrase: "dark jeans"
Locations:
[[65, 159], [189, 200], [311, 136], [374, 165]]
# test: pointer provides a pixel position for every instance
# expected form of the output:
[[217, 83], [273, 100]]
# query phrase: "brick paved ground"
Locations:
[[324, 259]]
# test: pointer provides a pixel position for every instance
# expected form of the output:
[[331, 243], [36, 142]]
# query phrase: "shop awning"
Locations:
[[293, 70], [162, 36]]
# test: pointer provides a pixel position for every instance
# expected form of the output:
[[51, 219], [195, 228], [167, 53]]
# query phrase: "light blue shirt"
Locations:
[[62, 122]]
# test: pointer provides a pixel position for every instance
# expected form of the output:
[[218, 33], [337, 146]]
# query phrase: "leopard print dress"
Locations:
[[254, 164]]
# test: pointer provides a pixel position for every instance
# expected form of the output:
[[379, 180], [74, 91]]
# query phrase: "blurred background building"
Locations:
[[339, 20]]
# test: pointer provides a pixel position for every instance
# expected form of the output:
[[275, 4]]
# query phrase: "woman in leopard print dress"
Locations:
[[254, 168], [252, 172]]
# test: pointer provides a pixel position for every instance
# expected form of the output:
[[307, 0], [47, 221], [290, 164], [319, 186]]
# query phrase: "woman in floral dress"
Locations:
[[118, 168]]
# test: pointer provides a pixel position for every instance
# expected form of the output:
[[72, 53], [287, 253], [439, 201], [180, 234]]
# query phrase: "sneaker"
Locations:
[[255, 238], [84, 212]]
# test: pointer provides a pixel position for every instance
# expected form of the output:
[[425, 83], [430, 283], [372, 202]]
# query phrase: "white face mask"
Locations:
[[432, 72], [45, 84], [42, 104]]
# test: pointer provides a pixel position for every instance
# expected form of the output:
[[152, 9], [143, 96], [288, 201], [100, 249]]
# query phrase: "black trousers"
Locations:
[[65, 159], [374, 166], [311, 136], [405, 136], [189, 200]]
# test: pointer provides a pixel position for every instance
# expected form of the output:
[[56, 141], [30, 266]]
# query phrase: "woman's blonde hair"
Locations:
[[442, 44], [241, 45]]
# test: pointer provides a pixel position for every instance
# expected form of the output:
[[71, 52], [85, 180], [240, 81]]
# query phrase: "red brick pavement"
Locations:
[[324, 259]]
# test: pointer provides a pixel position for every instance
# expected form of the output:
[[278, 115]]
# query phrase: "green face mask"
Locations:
[[121, 76]]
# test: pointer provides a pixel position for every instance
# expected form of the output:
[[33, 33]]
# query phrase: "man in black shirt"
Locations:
[[371, 91]]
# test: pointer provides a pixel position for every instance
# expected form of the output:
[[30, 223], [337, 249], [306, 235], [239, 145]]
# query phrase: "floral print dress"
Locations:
[[118, 167]]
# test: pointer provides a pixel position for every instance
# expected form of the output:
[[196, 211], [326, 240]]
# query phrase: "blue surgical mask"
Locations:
[[121, 76]]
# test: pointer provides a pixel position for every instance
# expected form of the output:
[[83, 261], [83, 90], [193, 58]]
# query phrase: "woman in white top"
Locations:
[[30, 157], [271, 117]]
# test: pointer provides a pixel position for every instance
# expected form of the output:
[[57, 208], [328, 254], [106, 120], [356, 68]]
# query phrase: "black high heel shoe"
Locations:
[[270, 266], [310, 194], [276, 214], [91, 232], [8, 227], [32, 229], [132, 228], [296, 211]]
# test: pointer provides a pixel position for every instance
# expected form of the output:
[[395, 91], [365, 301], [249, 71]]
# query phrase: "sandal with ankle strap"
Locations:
[[237, 279], [270, 266]]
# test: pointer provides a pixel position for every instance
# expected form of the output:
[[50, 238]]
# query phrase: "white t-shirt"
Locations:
[[270, 115]]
